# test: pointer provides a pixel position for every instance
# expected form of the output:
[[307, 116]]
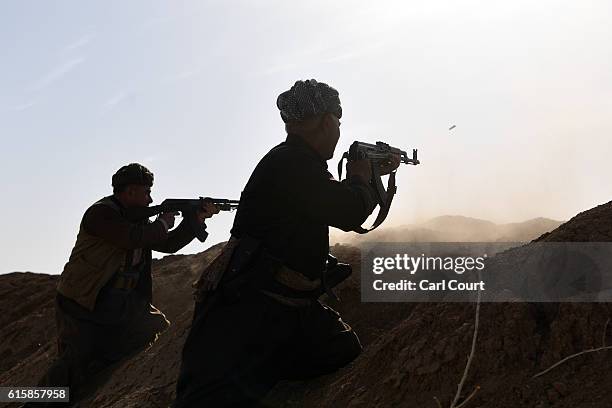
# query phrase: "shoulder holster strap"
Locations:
[[385, 197]]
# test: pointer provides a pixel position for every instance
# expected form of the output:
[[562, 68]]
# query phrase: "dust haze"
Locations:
[[452, 228]]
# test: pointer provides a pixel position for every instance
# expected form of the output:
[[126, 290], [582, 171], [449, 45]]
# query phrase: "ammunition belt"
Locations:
[[290, 287], [295, 280], [288, 301]]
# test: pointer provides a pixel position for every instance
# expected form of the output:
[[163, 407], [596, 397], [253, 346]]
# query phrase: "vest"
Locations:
[[92, 263]]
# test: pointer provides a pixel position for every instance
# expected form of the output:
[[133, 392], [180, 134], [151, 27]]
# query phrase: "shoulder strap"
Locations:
[[385, 197]]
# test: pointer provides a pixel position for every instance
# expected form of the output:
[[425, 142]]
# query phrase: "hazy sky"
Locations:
[[188, 88]]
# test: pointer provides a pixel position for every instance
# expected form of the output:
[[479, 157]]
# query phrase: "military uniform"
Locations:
[[245, 337], [103, 304]]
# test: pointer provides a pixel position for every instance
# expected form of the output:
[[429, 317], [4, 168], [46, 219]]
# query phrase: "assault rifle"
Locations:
[[378, 154], [187, 208]]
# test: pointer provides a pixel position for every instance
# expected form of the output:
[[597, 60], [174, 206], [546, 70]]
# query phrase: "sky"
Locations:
[[188, 88]]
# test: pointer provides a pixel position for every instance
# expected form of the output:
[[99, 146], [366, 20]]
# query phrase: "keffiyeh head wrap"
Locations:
[[306, 99]]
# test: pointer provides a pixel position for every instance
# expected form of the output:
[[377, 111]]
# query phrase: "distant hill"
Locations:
[[454, 228]]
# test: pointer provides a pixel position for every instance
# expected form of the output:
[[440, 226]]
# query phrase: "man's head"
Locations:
[[312, 110], [132, 185]]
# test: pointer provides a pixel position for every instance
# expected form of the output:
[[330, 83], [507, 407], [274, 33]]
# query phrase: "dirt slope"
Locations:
[[413, 352]]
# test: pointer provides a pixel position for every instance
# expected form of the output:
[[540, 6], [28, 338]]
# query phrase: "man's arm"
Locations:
[[312, 189], [106, 223], [177, 239]]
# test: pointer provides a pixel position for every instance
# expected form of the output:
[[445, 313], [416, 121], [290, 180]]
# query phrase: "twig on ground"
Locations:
[[471, 356], [570, 357], [437, 402], [469, 397], [593, 350]]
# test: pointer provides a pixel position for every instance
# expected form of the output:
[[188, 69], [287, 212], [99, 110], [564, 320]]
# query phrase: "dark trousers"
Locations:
[[89, 341], [237, 351]]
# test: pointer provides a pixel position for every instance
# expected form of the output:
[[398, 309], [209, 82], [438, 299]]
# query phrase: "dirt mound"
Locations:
[[413, 352], [27, 319], [594, 225]]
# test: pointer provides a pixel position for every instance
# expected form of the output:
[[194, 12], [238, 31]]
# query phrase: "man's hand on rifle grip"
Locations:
[[208, 210], [360, 168]]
